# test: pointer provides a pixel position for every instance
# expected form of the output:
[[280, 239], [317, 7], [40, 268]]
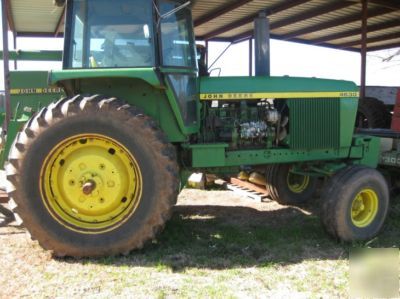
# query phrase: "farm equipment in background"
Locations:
[[97, 171], [390, 149], [376, 108]]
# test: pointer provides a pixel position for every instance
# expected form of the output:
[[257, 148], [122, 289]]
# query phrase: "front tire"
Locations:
[[92, 176], [288, 188], [355, 204]]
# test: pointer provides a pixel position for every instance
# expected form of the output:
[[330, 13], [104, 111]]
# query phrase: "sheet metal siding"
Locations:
[[314, 123]]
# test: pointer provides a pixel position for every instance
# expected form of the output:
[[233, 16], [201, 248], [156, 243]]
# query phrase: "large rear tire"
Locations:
[[355, 203], [372, 113], [92, 176], [288, 188]]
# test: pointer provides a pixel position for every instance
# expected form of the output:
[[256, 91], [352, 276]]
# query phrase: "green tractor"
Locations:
[[97, 172]]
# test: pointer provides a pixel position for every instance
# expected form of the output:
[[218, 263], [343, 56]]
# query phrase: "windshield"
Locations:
[[109, 34], [177, 41]]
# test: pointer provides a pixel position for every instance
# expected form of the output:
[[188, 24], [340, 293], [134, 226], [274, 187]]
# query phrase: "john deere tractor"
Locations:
[[97, 171]]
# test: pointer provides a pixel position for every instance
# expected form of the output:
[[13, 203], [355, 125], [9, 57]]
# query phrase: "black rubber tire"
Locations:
[[7, 213], [372, 113], [111, 117], [277, 187], [337, 199]]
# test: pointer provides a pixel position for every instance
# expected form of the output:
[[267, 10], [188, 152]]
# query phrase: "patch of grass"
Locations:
[[188, 242], [254, 250]]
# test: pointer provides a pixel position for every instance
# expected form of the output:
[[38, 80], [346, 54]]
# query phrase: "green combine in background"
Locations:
[[96, 154]]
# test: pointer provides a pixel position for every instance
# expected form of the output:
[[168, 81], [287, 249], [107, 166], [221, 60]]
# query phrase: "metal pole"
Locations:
[[6, 59], [261, 36], [250, 57], [207, 49], [15, 48], [364, 47]]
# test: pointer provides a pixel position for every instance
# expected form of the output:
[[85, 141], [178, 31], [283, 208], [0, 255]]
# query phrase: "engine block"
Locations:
[[242, 124]]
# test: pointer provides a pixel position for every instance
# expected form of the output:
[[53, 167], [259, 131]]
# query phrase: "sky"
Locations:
[[287, 58], [301, 60]]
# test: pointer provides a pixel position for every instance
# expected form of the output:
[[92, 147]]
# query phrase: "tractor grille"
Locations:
[[314, 123]]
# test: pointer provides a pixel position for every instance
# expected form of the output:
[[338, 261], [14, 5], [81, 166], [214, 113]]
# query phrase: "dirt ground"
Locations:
[[217, 245]]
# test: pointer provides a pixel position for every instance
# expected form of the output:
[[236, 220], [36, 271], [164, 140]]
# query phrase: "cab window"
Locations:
[[110, 34], [177, 41]]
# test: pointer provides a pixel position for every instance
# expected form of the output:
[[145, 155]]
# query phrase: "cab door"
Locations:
[[178, 62]]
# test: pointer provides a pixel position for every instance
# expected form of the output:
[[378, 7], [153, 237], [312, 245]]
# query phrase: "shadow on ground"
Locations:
[[250, 235], [220, 237]]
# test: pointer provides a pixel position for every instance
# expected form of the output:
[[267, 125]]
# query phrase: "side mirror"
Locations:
[[59, 3]]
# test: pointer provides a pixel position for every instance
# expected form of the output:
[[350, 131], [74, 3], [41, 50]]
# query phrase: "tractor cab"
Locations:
[[128, 34], [148, 41]]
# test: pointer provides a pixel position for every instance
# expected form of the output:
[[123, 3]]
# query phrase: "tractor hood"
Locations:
[[226, 88]]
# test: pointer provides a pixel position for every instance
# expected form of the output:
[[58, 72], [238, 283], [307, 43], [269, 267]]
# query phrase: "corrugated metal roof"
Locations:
[[34, 17], [330, 23]]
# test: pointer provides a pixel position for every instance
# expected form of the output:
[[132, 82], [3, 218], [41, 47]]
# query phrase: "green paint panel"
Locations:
[[262, 157], [272, 84], [139, 93], [145, 74], [370, 150], [364, 151], [213, 153], [140, 87], [30, 91]]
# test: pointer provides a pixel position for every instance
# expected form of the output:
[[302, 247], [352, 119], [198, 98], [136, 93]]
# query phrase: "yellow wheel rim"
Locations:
[[297, 183], [364, 208], [90, 183]]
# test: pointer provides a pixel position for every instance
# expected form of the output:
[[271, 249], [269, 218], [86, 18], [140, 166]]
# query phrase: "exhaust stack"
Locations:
[[262, 46]]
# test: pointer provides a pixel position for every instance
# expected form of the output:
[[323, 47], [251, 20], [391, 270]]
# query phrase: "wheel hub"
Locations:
[[91, 183], [364, 208], [88, 187], [297, 183]]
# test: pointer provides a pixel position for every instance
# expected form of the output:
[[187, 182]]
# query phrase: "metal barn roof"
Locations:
[[329, 23]]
